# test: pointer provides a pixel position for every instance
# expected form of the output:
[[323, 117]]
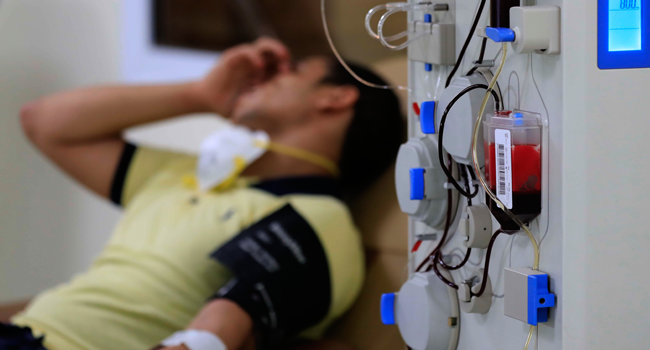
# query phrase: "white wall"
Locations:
[[144, 62], [49, 228]]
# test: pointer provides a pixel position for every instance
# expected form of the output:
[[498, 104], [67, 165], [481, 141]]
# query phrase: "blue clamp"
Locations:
[[500, 35], [417, 184], [428, 67], [539, 299], [428, 117], [388, 309]]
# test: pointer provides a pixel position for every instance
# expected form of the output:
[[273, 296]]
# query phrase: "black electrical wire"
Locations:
[[487, 265], [442, 131], [442, 278], [471, 173], [481, 57], [462, 168], [444, 235], [452, 268], [467, 41], [432, 256]]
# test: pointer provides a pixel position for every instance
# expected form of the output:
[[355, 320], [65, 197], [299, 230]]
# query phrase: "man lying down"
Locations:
[[249, 245]]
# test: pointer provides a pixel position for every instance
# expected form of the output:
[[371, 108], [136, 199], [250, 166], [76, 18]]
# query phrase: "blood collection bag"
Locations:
[[513, 165]]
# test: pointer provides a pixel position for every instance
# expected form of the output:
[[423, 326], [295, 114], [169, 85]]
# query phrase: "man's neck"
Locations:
[[275, 165]]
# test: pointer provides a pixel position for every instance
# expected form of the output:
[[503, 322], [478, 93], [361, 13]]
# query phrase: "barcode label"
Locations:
[[503, 152]]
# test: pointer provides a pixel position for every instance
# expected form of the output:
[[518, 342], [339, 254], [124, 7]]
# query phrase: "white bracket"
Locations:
[[476, 227], [437, 47], [537, 29], [472, 304]]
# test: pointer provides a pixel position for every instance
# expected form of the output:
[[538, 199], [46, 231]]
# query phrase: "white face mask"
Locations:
[[226, 153]]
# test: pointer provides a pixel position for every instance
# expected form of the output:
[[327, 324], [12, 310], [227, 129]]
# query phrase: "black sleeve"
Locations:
[[121, 171], [282, 277]]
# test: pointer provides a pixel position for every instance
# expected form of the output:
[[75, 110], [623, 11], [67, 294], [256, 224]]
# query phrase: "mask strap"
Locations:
[[240, 166], [301, 154]]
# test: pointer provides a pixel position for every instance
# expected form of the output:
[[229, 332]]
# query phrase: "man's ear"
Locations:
[[337, 98]]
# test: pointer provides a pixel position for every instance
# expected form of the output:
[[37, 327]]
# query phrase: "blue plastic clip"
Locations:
[[428, 117], [518, 119], [388, 309], [539, 299], [428, 67], [500, 35], [417, 184]]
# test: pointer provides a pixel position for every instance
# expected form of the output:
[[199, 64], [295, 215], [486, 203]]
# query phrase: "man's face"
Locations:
[[286, 100]]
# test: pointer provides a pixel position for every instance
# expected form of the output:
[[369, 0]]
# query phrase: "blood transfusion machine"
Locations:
[[523, 175]]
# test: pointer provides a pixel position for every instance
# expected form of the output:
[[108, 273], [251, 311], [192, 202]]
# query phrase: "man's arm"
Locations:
[[226, 320], [81, 130], [10, 310], [234, 327]]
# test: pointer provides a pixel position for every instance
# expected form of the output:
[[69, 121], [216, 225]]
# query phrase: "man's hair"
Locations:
[[376, 132]]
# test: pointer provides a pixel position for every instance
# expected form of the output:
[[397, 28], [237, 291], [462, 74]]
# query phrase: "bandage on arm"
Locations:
[[226, 320]]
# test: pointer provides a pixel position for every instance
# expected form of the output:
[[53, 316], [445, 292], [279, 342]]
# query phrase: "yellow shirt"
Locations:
[[156, 272]]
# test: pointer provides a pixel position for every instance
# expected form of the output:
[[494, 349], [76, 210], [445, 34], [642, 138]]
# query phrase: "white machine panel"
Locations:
[[494, 330]]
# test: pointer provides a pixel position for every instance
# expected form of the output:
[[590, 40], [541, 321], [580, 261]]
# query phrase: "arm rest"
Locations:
[[7, 311]]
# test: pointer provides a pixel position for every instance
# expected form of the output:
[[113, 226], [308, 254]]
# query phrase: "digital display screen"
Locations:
[[625, 25]]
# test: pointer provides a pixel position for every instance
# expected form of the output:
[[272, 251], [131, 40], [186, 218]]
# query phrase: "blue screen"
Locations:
[[624, 25]]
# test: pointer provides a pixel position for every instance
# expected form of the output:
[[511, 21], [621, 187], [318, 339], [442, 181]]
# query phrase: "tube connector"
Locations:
[[500, 35]]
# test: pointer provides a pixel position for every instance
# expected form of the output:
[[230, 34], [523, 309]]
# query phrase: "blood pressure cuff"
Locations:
[[281, 276], [19, 338]]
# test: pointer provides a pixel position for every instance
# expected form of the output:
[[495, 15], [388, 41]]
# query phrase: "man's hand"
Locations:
[[240, 69]]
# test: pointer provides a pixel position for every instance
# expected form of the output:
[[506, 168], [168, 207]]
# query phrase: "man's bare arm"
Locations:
[[81, 130], [226, 320], [10, 310], [234, 327]]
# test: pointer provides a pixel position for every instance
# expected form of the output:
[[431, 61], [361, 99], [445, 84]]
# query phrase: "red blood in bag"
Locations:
[[526, 168], [526, 183]]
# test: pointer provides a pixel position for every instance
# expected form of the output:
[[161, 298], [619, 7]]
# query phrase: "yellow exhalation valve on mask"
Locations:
[[228, 152]]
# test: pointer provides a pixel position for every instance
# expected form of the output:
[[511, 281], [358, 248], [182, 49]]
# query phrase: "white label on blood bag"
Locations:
[[503, 154]]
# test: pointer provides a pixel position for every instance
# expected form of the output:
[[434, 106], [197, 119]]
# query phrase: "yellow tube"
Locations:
[[477, 168], [530, 336]]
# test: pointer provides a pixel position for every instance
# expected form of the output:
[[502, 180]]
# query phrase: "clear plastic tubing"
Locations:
[[342, 61], [477, 167], [385, 7], [393, 8]]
